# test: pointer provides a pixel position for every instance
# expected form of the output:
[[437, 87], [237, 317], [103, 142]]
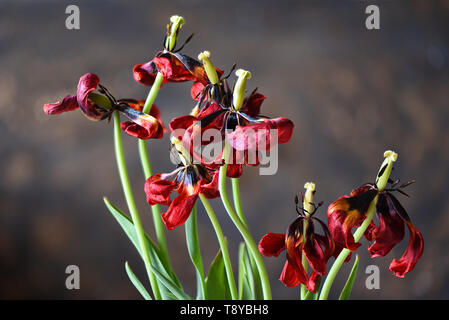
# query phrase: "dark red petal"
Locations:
[[87, 84], [182, 122], [411, 255], [390, 230], [145, 73], [272, 244], [313, 279], [180, 208], [234, 170], [315, 255], [158, 189], [260, 135], [293, 273], [210, 189], [346, 213], [251, 105], [197, 88], [291, 277], [69, 103]]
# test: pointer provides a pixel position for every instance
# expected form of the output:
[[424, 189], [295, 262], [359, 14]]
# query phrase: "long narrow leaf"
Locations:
[[128, 227], [193, 247], [170, 285], [136, 282], [346, 292], [246, 280], [217, 287]]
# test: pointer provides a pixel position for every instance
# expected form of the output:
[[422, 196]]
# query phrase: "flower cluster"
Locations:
[[229, 122]]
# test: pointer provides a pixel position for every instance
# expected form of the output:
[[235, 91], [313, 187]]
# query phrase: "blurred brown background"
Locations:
[[352, 94]]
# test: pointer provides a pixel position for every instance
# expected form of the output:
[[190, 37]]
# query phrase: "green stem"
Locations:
[[146, 165], [153, 93], [119, 154], [345, 252], [251, 245], [237, 200], [223, 246], [238, 207]]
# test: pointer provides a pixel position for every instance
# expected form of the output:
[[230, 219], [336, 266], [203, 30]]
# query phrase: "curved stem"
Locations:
[[237, 200], [223, 246], [118, 146], [239, 209], [146, 165], [345, 252], [251, 245]]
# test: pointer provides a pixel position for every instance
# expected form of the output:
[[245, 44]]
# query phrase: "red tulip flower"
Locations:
[[301, 239], [97, 104], [350, 211]]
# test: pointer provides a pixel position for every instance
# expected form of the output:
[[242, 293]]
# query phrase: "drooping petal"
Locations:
[[415, 246], [69, 103], [87, 84], [180, 208], [390, 230], [292, 276], [261, 135], [158, 188], [210, 189], [348, 212], [411, 255], [313, 251], [294, 273], [272, 244]]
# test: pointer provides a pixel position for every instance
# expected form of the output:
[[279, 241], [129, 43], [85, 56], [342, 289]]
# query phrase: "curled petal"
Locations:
[[145, 73], [415, 246], [411, 255], [346, 213], [69, 103], [87, 84], [143, 126], [158, 189], [272, 244]]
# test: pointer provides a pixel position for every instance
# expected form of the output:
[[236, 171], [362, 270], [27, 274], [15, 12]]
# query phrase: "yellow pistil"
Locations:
[[240, 86], [385, 169], [209, 67], [176, 23]]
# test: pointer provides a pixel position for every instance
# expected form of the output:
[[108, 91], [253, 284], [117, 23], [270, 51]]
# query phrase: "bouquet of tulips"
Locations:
[[224, 132]]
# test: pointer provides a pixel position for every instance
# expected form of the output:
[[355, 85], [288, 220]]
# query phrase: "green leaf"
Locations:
[[170, 285], [246, 279], [193, 246], [217, 287], [136, 282], [346, 292], [127, 225]]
